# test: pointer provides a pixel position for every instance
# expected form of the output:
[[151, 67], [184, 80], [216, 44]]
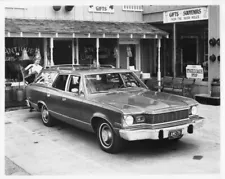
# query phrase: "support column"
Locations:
[[45, 50], [51, 51], [174, 50], [154, 56], [97, 51], [197, 50], [117, 55], [138, 56], [181, 61], [73, 52], [213, 32], [77, 51], [159, 70]]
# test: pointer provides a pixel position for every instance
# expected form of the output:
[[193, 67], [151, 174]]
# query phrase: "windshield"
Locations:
[[104, 83]]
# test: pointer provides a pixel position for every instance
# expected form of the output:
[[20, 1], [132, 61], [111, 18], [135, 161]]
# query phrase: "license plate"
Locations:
[[175, 134]]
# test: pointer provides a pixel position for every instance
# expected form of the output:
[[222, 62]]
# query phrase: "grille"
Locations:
[[166, 117]]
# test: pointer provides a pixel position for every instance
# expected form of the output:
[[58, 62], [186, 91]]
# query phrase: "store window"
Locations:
[[107, 54], [20, 52], [191, 48], [62, 53], [87, 51]]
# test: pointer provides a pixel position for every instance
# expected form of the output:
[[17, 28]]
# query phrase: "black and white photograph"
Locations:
[[107, 89]]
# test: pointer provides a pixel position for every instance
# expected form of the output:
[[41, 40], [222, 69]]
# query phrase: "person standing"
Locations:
[[33, 70]]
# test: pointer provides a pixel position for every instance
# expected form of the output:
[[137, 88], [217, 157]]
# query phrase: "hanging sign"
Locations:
[[106, 9], [194, 14], [194, 71]]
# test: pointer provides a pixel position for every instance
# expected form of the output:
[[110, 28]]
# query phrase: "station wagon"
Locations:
[[112, 103]]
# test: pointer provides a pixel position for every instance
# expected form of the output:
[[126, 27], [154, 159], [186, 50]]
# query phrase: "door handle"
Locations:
[[63, 99], [48, 95]]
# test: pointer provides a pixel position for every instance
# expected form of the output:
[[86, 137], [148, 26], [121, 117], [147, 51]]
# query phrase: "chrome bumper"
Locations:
[[140, 134]]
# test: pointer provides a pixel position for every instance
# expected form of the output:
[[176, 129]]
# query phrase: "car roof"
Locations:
[[84, 69]]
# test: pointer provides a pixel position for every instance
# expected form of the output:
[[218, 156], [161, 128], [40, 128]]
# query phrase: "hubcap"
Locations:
[[45, 115], [106, 135]]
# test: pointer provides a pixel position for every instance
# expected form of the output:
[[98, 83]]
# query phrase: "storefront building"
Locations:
[[194, 40], [112, 35], [156, 40]]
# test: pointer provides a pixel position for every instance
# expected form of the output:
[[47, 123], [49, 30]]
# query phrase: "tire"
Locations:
[[107, 139], [47, 119]]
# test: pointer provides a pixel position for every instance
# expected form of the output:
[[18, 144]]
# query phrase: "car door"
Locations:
[[73, 102], [36, 91], [54, 96]]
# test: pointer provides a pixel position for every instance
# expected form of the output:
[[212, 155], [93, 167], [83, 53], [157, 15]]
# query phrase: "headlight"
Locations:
[[129, 120], [193, 110]]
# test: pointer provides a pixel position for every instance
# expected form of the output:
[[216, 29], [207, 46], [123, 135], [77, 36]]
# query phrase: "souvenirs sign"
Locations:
[[193, 14], [106, 9], [194, 71]]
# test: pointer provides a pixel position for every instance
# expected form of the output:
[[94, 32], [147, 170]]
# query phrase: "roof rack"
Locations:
[[78, 67]]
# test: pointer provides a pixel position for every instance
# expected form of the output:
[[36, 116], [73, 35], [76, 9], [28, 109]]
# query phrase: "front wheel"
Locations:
[[108, 140], [47, 119]]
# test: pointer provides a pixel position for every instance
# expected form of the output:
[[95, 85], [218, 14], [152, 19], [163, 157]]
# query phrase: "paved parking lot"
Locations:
[[66, 150]]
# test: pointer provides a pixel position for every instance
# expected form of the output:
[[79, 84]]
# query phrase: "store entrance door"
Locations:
[[189, 51], [127, 56], [188, 55], [62, 53]]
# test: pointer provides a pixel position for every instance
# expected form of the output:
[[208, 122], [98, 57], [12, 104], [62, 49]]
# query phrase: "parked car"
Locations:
[[113, 103]]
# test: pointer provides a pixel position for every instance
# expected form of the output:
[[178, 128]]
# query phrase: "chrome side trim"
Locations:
[[70, 118]]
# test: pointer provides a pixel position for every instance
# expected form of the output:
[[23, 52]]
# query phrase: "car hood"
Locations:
[[144, 101]]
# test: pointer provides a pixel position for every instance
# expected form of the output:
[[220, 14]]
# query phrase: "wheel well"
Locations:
[[40, 106], [95, 122]]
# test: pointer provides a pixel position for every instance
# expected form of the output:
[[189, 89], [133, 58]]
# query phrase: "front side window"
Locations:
[[74, 84], [98, 83], [60, 82]]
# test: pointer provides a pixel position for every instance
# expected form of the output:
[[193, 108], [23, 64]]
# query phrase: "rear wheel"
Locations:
[[108, 140], [47, 119]]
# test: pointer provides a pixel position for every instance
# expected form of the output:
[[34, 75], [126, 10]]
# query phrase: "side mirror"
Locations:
[[74, 90]]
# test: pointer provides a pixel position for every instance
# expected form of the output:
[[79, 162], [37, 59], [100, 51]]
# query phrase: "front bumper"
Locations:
[[141, 134]]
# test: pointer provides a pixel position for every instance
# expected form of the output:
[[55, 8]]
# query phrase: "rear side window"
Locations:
[[60, 82], [46, 78]]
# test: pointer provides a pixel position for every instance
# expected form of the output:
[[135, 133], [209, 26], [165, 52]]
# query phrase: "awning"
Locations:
[[69, 28]]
